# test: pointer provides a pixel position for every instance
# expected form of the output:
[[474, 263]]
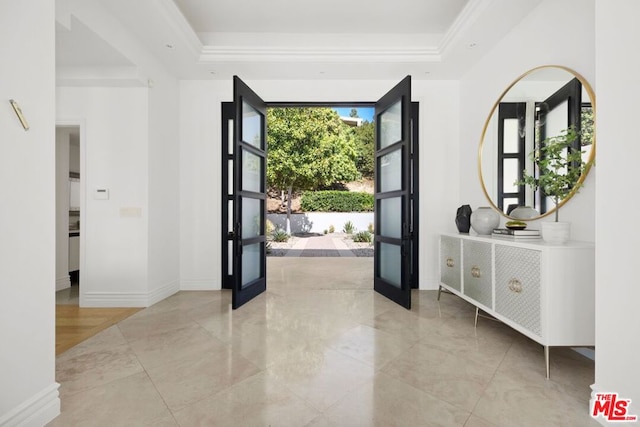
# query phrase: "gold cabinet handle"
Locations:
[[475, 271], [515, 285], [450, 262]]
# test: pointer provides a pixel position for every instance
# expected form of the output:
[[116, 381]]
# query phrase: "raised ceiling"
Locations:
[[285, 39]]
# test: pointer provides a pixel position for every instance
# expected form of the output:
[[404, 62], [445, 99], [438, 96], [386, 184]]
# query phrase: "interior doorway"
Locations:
[[68, 181], [407, 245]]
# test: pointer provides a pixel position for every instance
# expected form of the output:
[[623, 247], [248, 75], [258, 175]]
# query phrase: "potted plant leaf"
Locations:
[[560, 166]]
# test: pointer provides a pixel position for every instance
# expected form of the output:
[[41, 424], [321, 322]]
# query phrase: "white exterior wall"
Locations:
[[28, 391], [200, 118], [546, 36], [617, 290]]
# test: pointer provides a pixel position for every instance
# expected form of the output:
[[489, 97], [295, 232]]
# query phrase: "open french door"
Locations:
[[249, 195], [393, 194]]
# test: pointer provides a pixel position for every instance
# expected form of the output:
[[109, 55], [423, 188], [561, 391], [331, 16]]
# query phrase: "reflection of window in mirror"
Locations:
[[511, 153]]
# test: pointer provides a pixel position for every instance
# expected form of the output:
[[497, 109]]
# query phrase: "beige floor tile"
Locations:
[[87, 370], [452, 378], [192, 378], [160, 320], [475, 421], [369, 345], [125, 402], [160, 349], [509, 401], [258, 401], [319, 348], [322, 377], [385, 401]]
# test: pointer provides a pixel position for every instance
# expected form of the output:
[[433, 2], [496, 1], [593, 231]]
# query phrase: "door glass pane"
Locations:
[[251, 218], [391, 125], [251, 172], [230, 215], [511, 136], [230, 178], [391, 217], [390, 263], [510, 175], [251, 126], [230, 257], [230, 141], [251, 265], [390, 169]]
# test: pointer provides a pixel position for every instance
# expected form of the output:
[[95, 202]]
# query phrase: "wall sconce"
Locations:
[[18, 111]]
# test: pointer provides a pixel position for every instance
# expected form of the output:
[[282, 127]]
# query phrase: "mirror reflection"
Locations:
[[542, 103]]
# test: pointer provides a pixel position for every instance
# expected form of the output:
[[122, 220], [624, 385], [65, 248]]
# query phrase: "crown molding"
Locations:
[[467, 17], [317, 54], [181, 26]]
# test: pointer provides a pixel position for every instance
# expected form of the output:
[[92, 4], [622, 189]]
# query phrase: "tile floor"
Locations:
[[319, 348]]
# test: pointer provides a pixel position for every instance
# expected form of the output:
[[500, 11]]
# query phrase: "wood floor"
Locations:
[[75, 324]]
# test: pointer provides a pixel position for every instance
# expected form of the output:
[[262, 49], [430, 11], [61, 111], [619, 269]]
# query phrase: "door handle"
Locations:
[[231, 234]]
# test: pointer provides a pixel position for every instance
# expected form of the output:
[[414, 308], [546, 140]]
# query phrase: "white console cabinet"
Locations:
[[544, 291]]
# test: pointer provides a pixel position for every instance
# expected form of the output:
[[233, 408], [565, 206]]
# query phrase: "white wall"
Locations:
[[164, 187], [62, 208], [557, 32], [28, 391], [200, 132], [617, 290], [114, 233], [129, 243]]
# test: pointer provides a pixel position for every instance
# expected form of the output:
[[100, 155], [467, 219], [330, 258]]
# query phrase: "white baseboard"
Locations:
[[163, 292], [128, 299], [200, 285], [63, 283], [36, 411]]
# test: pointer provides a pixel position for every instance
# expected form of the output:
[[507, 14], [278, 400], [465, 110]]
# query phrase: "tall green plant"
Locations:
[[560, 166]]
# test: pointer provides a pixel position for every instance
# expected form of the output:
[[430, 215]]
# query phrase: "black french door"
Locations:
[[394, 246], [249, 162]]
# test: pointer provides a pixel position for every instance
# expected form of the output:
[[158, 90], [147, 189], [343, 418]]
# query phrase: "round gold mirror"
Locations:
[[541, 105]]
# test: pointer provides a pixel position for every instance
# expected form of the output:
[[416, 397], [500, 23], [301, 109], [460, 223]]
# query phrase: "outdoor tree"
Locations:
[[308, 148], [353, 112], [365, 148]]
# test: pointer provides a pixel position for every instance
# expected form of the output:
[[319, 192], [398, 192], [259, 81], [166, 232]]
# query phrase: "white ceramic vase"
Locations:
[[524, 212], [484, 220], [556, 233]]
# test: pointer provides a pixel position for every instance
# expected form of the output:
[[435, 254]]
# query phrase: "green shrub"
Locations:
[[279, 235], [370, 228], [348, 227], [332, 229], [336, 201], [269, 227], [362, 237]]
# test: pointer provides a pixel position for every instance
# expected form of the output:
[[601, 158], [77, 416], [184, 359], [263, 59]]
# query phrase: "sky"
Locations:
[[364, 112]]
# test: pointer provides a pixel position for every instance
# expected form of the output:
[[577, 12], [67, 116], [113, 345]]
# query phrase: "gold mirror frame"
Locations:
[[587, 87]]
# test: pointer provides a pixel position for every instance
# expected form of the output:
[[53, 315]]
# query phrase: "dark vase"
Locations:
[[463, 218]]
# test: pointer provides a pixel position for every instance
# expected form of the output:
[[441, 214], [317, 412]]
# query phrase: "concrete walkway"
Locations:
[[319, 246]]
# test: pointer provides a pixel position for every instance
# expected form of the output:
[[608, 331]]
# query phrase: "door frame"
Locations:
[[228, 113]]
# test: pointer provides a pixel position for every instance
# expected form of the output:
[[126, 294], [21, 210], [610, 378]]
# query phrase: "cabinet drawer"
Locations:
[[477, 272], [450, 262], [518, 286]]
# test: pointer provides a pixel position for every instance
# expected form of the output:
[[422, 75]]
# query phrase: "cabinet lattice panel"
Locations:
[[518, 286], [450, 262], [477, 271]]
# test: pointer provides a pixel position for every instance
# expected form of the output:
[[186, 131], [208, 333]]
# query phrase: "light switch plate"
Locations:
[[101, 194]]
